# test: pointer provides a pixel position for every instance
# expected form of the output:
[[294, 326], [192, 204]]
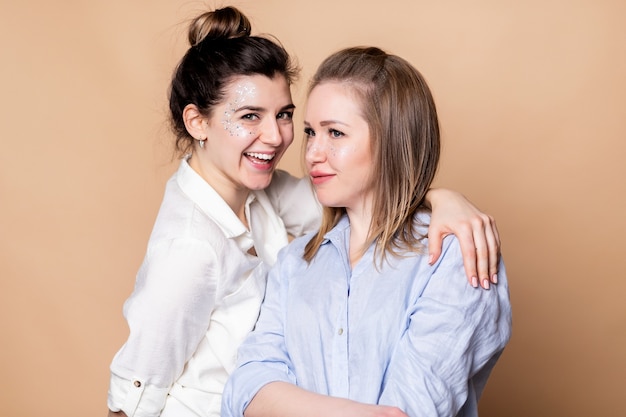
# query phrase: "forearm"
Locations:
[[430, 195], [443, 197], [281, 399]]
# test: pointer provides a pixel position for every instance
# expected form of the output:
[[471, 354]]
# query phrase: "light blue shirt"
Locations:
[[403, 333]]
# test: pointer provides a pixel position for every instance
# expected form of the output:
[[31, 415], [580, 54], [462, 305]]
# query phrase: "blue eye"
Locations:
[[309, 132], [334, 133]]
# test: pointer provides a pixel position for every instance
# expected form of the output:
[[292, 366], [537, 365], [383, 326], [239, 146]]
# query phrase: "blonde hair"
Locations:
[[400, 111]]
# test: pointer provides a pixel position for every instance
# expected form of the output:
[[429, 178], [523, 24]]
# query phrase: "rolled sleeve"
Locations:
[[167, 316], [246, 381]]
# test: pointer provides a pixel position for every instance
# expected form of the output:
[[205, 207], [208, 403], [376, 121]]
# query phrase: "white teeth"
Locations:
[[265, 156]]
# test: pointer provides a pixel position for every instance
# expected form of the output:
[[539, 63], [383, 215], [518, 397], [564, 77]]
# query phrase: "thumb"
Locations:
[[435, 241]]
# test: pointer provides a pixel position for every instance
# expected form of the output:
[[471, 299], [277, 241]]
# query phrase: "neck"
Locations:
[[360, 221], [235, 197]]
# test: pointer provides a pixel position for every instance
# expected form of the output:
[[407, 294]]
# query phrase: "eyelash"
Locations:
[[284, 115], [250, 116], [333, 133]]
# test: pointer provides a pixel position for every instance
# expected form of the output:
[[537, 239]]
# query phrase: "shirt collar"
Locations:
[[209, 201], [339, 233]]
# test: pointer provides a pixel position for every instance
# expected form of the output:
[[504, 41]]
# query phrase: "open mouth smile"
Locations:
[[260, 158]]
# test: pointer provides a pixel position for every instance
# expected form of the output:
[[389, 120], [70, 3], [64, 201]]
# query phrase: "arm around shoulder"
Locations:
[[452, 213]]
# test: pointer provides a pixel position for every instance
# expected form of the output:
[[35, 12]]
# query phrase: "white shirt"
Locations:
[[198, 293]]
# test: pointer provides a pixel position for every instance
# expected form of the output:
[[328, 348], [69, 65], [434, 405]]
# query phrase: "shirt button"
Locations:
[[137, 384], [340, 332]]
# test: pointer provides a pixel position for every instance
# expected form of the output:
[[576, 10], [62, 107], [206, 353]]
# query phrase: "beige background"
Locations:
[[532, 98]]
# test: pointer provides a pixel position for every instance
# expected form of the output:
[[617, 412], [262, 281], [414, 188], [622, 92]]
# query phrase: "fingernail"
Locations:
[[474, 282], [495, 278], [486, 283], [430, 259]]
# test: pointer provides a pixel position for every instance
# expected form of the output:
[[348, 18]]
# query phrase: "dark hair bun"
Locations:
[[226, 23]]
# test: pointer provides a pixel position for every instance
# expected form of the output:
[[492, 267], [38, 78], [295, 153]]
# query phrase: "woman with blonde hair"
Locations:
[[356, 322]]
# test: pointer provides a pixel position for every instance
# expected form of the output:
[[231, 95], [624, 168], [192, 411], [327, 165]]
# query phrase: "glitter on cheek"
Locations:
[[232, 127], [243, 93], [227, 121]]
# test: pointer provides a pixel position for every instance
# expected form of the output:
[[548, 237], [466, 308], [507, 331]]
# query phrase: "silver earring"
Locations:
[[201, 143]]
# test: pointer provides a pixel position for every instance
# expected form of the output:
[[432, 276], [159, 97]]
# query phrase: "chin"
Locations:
[[325, 199], [259, 183]]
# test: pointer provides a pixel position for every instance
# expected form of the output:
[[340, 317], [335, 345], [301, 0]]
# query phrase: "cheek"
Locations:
[[235, 128], [286, 132], [229, 124], [343, 154]]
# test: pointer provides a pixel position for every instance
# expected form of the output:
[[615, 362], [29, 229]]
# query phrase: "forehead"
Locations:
[[257, 87], [333, 99]]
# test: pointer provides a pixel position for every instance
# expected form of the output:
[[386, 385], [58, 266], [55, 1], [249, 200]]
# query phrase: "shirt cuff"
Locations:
[[246, 382], [135, 398]]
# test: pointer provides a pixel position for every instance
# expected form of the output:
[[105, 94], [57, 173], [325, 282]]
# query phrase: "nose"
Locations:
[[271, 133], [315, 150]]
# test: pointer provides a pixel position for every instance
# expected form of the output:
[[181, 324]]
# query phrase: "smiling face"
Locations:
[[247, 134], [338, 150]]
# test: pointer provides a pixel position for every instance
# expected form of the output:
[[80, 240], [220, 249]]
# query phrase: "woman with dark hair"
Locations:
[[225, 214], [356, 322]]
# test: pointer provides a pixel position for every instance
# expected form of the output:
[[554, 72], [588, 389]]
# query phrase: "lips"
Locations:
[[320, 177]]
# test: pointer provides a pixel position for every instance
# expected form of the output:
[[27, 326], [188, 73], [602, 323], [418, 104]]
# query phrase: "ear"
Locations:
[[195, 122]]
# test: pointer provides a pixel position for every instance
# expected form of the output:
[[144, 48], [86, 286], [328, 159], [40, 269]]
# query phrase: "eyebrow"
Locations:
[[263, 109], [328, 122]]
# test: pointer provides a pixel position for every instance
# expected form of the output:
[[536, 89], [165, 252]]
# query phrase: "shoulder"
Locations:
[[179, 217], [449, 280], [281, 179], [293, 253], [450, 252], [282, 182], [286, 186], [295, 202], [297, 245]]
